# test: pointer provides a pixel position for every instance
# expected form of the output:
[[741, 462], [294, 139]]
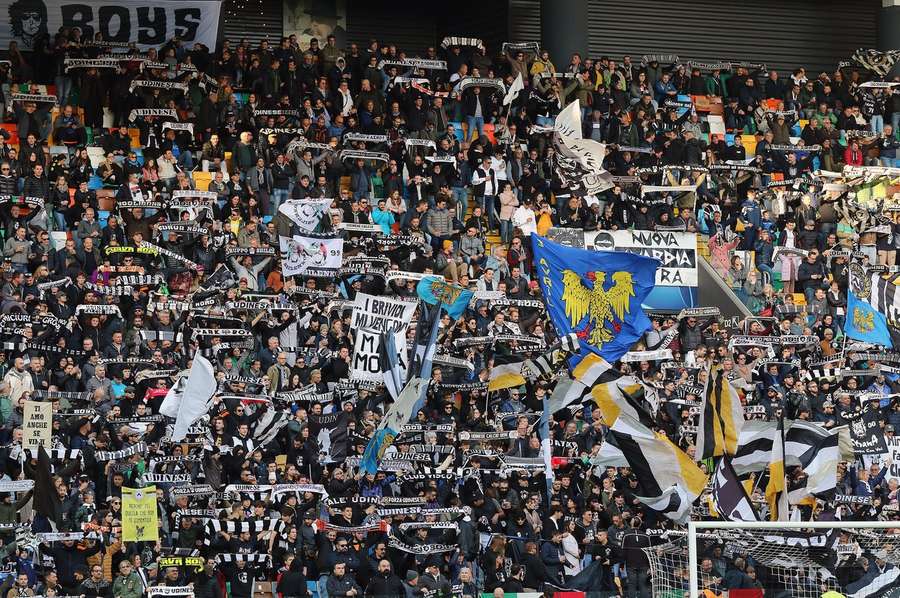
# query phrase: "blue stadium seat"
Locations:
[[95, 183]]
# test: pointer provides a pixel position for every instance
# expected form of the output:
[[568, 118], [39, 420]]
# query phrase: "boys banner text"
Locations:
[[149, 24]]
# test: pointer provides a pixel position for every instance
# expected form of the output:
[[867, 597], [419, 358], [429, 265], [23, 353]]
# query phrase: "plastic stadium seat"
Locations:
[[201, 179], [489, 132], [749, 144], [135, 135], [729, 138], [95, 183], [105, 200], [13, 132], [102, 217]]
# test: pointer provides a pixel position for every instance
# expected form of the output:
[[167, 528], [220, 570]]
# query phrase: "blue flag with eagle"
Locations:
[[595, 294]]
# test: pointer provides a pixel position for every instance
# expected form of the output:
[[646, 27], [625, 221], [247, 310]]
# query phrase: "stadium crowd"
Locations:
[[99, 299]]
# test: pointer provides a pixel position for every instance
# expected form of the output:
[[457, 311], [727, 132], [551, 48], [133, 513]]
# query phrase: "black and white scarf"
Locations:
[[135, 449], [161, 335], [420, 549], [253, 558], [158, 85], [474, 42], [141, 112], [214, 526], [417, 63]]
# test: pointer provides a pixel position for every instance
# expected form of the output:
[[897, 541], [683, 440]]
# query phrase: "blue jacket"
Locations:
[[384, 219], [861, 488]]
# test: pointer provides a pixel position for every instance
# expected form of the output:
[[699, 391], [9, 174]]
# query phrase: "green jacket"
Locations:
[[582, 90], [711, 87], [128, 587]]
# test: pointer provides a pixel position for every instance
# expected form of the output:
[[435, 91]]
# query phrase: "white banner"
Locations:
[[37, 425], [306, 213], [893, 451], [311, 256], [677, 252], [147, 24], [371, 316]]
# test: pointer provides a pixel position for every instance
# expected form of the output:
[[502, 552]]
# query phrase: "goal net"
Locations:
[[780, 560]]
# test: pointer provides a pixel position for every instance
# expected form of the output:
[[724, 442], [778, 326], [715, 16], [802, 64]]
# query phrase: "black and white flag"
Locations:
[[729, 496], [391, 368], [330, 431]]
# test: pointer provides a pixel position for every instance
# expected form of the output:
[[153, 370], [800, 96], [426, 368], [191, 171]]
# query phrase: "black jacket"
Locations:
[[385, 585]]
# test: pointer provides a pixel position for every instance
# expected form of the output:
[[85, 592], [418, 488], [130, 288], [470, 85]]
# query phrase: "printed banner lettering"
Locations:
[[37, 426], [311, 256], [371, 316], [139, 518], [676, 277]]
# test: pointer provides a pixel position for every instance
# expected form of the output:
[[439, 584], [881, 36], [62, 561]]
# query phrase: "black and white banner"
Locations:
[[187, 591], [481, 82], [373, 315], [364, 138], [145, 24], [37, 98], [865, 431], [311, 256]]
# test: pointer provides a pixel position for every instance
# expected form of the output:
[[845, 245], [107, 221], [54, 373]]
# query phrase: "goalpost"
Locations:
[[794, 558]]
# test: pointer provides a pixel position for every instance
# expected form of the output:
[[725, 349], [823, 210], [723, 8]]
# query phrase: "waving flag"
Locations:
[[670, 481], [595, 294], [514, 89], [729, 496], [869, 297], [392, 423], [776, 489], [453, 299], [721, 419]]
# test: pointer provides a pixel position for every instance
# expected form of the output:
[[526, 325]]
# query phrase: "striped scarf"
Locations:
[[214, 526]]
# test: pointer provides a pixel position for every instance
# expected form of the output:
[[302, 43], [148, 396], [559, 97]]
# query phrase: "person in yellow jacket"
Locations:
[[542, 64]]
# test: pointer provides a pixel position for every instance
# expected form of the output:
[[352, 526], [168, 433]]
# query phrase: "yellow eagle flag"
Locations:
[[140, 522]]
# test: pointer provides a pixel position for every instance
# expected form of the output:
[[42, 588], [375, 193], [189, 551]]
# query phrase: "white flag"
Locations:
[[199, 388], [305, 213], [513, 92]]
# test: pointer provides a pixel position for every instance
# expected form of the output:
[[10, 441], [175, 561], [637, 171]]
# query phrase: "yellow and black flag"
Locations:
[[506, 372], [721, 419], [669, 479], [624, 395], [776, 489]]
